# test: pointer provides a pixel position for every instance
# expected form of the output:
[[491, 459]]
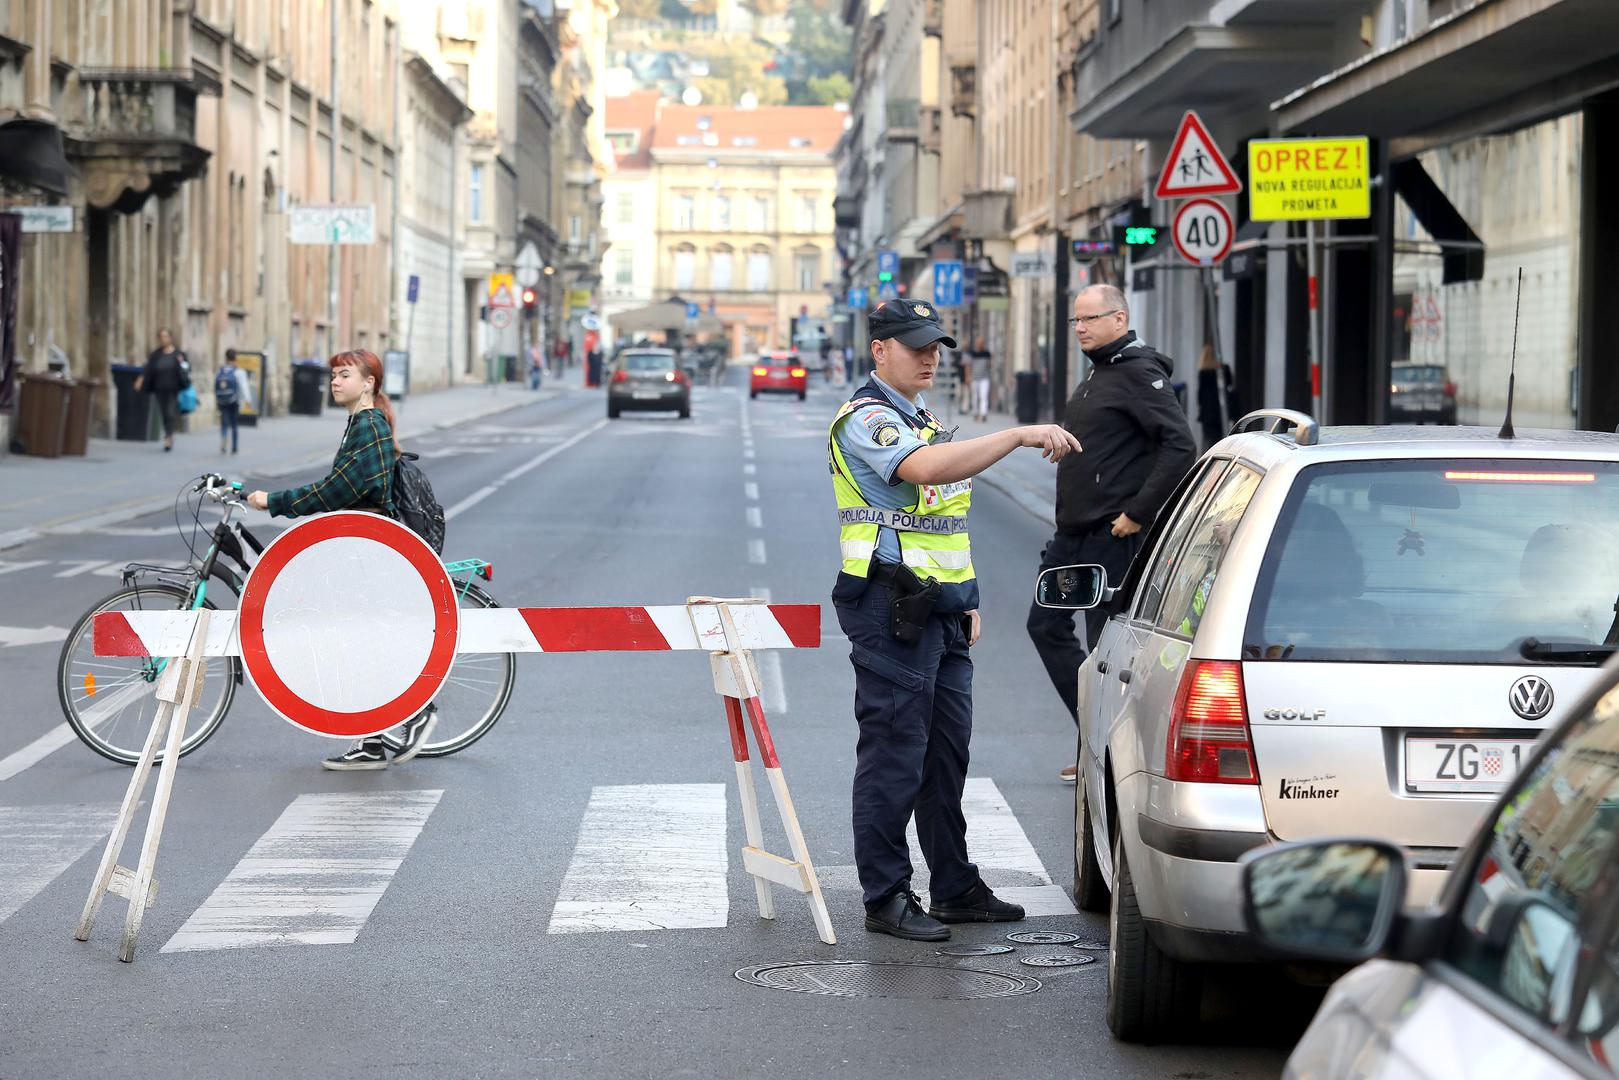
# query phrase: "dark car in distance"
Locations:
[[1421, 394], [649, 380]]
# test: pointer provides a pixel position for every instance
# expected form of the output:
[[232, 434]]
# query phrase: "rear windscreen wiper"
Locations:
[[1565, 652]]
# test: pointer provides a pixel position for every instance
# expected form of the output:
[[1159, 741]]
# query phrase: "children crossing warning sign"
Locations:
[[1195, 165], [1309, 179]]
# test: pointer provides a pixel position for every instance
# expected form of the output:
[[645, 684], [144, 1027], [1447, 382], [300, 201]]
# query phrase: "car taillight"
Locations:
[[1209, 740], [761, 372], [621, 376], [1482, 477], [1450, 389], [798, 373]]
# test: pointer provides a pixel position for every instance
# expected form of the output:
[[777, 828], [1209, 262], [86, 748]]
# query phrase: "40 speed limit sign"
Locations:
[[1202, 232]]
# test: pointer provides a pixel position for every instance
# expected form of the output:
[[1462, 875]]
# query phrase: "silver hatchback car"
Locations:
[[1356, 629]]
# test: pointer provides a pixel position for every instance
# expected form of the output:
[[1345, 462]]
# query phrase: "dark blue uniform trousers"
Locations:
[[914, 704]]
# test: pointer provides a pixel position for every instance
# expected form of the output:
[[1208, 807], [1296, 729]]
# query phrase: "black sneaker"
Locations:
[[413, 733], [977, 904], [902, 916], [365, 754]]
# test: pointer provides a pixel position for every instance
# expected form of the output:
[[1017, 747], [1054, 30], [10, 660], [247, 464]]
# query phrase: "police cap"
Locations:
[[914, 322]]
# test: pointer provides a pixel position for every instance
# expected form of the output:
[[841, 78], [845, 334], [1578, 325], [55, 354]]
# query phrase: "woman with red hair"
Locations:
[[361, 479]]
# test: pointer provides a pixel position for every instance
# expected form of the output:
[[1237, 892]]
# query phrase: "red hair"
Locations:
[[367, 362]]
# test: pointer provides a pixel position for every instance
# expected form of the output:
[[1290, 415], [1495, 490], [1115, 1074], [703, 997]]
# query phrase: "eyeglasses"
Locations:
[[1086, 320]]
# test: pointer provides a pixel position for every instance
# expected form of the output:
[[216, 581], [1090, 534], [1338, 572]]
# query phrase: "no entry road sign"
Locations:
[[348, 625]]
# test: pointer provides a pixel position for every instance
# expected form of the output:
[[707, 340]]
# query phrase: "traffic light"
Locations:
[[531, 304], [883, 277]]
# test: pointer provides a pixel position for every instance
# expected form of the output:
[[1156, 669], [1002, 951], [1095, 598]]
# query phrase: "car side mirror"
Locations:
[[1329, 900], [1074, 588]]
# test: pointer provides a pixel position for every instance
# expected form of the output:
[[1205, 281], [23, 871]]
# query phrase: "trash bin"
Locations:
[[1028, 397], [512, 374], [308, 388], [42, 414], [80, 398], [134, 407]]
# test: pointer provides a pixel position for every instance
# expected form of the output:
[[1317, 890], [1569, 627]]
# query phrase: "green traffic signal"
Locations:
[[1141, 235]]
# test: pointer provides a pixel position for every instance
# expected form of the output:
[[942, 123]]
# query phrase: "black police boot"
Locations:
[[977, 904], [901, 916]]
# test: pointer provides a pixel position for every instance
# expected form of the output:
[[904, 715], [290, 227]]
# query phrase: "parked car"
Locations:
[[1361, 625], [648, 379], [1421, 394], [778, 373], [1514, 972]]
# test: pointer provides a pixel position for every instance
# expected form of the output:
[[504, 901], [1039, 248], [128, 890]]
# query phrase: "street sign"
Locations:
[[693, 311], [500, 317], [1030, 264], [947, 282], [332, 223], [413, 289], [888, 290], [43, 219], [1202, 232], [502, 291], [1195, 165], [859, 298], [887, 263], [1085, 249], [1309, 179], [528, 265], [310, 650]]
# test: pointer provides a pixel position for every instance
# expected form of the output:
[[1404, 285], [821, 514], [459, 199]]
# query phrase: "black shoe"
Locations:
[[414, 734], [365, 754], [977, 904], [901, 916]]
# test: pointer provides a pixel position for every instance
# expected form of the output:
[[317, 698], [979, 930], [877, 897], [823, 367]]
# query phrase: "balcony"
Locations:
[[933, 18], [964, 87], [987, 215], [137, 136], [904, 120], [932, 129]]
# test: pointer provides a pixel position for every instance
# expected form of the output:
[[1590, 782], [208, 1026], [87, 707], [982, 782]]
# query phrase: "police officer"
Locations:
[[907, 598]]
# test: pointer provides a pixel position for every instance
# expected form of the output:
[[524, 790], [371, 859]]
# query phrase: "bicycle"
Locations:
[[110, 702]]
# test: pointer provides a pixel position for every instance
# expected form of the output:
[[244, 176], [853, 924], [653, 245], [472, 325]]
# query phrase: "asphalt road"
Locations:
[[477, 933]]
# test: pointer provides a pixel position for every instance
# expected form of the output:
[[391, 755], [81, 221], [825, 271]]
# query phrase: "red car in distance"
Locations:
[[778, 373]]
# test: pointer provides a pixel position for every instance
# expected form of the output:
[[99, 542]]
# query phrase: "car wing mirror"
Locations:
[[1328, 900], [1073, 588]]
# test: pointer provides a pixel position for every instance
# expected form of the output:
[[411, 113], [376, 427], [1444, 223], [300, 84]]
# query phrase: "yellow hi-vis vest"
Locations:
[[932, 531]]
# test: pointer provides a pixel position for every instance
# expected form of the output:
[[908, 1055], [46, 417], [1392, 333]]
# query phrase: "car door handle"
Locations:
[[1125, 675], [1101, 666]]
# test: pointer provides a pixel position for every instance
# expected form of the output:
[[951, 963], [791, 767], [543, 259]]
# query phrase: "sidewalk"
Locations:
[[117, 481]]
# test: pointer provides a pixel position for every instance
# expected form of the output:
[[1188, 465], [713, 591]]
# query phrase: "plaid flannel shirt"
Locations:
[[361, 478]]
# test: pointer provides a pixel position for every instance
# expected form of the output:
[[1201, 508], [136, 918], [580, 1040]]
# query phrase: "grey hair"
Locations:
[[1112, 296]]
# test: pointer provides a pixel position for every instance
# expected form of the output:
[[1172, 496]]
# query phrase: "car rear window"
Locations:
[[1419, 374], [647, 362], [1439, 561]]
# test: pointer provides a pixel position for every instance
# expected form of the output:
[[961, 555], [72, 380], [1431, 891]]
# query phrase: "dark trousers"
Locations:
[[168, 407], [1052, 630], [914, 705], [229, 416]]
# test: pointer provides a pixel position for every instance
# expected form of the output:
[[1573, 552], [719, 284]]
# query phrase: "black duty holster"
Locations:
[[911, 600]]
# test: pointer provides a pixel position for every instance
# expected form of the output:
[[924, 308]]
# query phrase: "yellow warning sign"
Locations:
[[1309, 179], [502, 291]]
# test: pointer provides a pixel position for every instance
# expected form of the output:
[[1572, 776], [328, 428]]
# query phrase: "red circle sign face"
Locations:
[[1202, 232], [348, 625]]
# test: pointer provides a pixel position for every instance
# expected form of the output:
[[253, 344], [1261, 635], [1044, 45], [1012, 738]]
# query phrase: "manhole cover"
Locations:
[[1091, 946], [1042, 937], [1069, 960], [873, 978], [975, 950]]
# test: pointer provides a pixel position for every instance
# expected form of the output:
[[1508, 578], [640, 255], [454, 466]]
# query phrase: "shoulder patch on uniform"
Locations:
[[886, 434], [875, 416]]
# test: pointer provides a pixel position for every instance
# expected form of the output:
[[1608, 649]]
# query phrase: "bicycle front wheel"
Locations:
[[474, 695], [111, 701]]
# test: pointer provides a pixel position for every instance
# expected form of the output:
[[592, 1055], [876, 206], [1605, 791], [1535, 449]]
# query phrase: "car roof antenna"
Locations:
[[1506, 431]]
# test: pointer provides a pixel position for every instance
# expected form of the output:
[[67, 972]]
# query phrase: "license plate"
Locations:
[[1460, 763], [646, 395]]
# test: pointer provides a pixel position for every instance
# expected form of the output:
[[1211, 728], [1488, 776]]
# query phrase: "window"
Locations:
[[688, 140], [475, 194], [647, 361], [575, 230], [759, 214], [799, 142], [722, 213], [806, 213], [624, 263], [759, 271], [807, 270], [744, 140], [684, 212], [1193, 573], [720, 266], [625, 204], [685, 268], [1539, 887], [1165, 554], [1439, 561]]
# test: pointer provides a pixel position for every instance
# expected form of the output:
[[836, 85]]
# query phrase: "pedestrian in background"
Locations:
[[167, 372], [1210, 400], [964, 382], [536, 366], [981, 371], [1137, 447], [231, 391], [907, 597]]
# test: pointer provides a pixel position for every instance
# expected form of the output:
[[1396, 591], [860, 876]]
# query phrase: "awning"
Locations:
[[668, 315], [1491, 66], [950, 219], [31, 153]]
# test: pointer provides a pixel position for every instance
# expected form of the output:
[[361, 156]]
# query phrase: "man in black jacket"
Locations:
[[1137, 447]]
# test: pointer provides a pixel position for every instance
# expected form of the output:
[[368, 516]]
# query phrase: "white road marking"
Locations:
[[750, 469], [37, 843], [747, 452], [751, 490], [755, 521], [315, 877], [11, 636], [13, 567], [74, 569], [648, 857], [756, 552], [528, 466], [36, 751]]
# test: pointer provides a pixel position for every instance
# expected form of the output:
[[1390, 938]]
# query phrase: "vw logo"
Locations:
[[1531, 697]]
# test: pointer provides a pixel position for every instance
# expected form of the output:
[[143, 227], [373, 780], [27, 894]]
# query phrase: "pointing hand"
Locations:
[[1054, 441]]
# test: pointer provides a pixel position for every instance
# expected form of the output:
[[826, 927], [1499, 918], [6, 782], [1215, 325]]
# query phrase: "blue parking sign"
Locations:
[[887, 262], [947, 283]]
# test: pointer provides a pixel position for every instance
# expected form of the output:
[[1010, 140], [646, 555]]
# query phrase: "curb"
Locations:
[[140, 508]]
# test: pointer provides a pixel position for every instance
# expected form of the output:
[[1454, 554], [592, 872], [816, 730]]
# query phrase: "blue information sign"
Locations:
[[887, 290], [887, 263], [947, 283], [412, 289], [693, 311], [859, 298]]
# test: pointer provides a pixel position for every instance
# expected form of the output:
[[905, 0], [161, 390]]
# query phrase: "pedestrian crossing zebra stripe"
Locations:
[[315, 877], [37, 843]]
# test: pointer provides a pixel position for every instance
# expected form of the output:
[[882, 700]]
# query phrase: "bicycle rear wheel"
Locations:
[[473, 697], [111, 701]]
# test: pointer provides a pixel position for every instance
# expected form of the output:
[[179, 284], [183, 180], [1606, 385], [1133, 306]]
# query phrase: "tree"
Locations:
[[828, 89], [736, 66], [821, 40]]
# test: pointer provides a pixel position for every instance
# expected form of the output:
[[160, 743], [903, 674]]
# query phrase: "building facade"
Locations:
[[629, 207]]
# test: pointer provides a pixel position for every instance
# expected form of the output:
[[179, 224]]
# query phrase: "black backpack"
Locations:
[[414, 504]]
